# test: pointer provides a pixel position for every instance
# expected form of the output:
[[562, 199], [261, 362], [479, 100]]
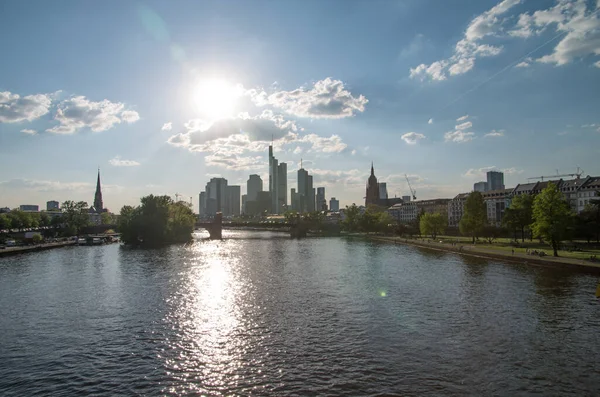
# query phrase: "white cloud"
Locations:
[[469, 48], [29, 132], [14, 108], [78, 112], [353, 152], [118, 162], [577, 20], [463, 118], [478, 172], [571, 17], [44, 186], [430, 121], [234, 143], [512, 171], [495, 133], [167, 126], [412, 138], [327, 99], [130, 116], [464, 126], [459, 136]]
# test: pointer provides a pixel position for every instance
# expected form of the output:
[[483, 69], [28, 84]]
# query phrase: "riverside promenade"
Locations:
[[519, 256], [33, 248]]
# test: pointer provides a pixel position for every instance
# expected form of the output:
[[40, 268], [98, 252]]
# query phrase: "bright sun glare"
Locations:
[[215, 98]]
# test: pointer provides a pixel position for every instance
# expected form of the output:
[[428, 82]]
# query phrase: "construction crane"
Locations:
[[413, 192], [577, 174]]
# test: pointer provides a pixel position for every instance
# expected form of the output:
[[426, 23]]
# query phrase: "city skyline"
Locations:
[[190, 91]]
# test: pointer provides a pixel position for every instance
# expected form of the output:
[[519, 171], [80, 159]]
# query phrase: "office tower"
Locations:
[[334, 204], [52, 205], [232, 200], [215, 196], [480, 187], [383, 190], [202, 204], [495, 180], [253, 186], [321, 202]]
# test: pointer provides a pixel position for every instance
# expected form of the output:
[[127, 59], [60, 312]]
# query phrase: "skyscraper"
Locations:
[[215, 196], [277, 183], [281, 188], [232, 200], [321, 202], [372, 196], [202, 204], [495, 180], [52, 205], [98, 205], [253, 186], [334, 205], [306, 192]]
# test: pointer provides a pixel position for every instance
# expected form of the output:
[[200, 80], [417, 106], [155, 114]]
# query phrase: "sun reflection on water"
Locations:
[[205, 313]]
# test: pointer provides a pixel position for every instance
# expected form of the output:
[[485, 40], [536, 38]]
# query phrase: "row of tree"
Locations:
[[158, 220], [547, 216], [73, 218], [373, 219]]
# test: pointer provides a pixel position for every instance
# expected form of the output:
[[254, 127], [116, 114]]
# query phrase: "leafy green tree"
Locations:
[[552, 216], [368, 221], [75, 216], [20, 219], [588, 221], [475, 216], [385, 222], [519, 215], [106, 218], [433, 224], [37, 238], [157, 221], [44, 219], [351, 222], [417, 223], [491, 233], [5, 221], [34, 219]]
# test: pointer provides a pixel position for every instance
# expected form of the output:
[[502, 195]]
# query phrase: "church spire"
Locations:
[[98, 196]]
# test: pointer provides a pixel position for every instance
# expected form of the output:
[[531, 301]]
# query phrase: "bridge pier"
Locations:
[[215, 228]]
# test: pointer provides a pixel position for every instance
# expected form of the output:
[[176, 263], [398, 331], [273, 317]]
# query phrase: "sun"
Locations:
[[215, 99]]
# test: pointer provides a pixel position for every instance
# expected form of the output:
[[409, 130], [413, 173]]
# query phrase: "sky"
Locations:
[[162, 96]]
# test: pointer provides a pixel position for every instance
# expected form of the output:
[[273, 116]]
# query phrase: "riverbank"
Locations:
[[33, 248], [517, 256]]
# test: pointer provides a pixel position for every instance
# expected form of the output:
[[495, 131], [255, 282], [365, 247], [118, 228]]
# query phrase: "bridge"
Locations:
[[215, 228]]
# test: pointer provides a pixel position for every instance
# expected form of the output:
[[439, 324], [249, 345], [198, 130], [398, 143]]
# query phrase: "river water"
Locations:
[[260, 314]]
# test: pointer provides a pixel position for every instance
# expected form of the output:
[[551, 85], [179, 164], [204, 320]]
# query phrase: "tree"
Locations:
[[433, 224], [491, 233], [44, 219], [519, 215], [19, 219], [37, 238], [588, 221], [5, 221], [474, 217], [552, 216], [157, 221], [75, 216], [106, 218], [352, 218], [417, 222]]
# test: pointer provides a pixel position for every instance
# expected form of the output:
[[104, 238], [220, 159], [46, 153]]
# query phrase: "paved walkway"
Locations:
[[520, 257]]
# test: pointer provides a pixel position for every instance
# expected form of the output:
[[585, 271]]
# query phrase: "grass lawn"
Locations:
[[504, 244]]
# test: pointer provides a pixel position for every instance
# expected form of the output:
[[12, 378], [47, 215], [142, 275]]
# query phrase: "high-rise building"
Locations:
[[232, 200], [244, 201], [321, 202], [480, 187], [383, 194], [406, 199], [495, 180], [334, 204], [29, 208], [306, 192], [294, 200], [253, 186], [215, 196], [310, 200], [52, 205], [98, 205], [372, 194], [202, 204], [281, 188]]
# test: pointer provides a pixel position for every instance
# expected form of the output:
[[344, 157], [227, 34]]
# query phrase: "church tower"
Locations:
[[372, 196], [98, 196]]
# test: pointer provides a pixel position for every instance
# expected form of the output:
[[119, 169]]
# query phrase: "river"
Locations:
[[260, 314]]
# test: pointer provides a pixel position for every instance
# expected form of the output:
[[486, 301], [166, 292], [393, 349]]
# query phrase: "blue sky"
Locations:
[[162, 96]]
